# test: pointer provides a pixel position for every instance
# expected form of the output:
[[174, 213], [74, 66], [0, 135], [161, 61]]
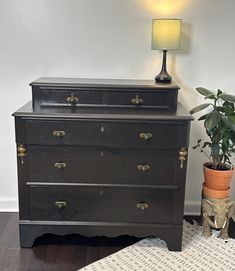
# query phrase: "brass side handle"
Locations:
[[60, 165], [58, 134], [137, 100], [61, 204], [142, 205], [182, 156], [146, 136], [21, 152], [72, 99], [143, 167]]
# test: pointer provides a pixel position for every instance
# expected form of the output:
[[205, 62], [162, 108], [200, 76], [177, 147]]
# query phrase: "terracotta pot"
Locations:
[[217, 179], [217, 194]]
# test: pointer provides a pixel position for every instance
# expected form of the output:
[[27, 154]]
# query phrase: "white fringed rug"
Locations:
[[151, 254]]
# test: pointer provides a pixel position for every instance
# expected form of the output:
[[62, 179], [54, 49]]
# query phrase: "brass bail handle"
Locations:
[[145, 136], [72, 99], [143, 167], [60, 165], [61, 204], [142, 205], [137, 100], [182, 156], [21, 152], [58, 134]]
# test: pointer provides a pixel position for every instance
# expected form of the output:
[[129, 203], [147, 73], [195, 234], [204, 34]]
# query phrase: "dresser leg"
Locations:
[[174, 245], [27, 236], [174, 239]]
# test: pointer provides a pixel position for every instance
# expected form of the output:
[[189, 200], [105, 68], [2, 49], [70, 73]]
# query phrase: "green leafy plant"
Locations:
[[219, 122]]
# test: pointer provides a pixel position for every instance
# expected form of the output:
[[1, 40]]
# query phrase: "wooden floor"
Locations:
[[54, 253]]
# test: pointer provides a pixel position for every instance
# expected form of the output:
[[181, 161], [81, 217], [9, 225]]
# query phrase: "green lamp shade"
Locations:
[[166, 34]]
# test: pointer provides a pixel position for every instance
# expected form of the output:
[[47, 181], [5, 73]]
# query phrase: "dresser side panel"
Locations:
[[22, 169]]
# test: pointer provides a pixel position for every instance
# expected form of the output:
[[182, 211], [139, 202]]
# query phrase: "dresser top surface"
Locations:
[[103, 113], [102, 83]]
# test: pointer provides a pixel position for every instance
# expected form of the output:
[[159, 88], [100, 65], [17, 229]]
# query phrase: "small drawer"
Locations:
[[136, 134], [103, 165], [64, 203], [68, 98], [165, 99]]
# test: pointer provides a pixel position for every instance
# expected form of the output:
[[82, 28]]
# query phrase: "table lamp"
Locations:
[[165, 36]]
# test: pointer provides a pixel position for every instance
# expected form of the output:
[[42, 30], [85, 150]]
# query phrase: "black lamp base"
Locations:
[[163, 76]]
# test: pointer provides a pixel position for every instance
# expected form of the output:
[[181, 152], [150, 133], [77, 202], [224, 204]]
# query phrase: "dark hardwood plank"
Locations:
[[2, 250], [50, 252], [9, 230], [4, 219], [93, 251]]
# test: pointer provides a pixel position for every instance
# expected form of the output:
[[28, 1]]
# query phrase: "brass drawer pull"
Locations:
[[60, 165], [21, 152], [72, 99], [182, 156], [146, 136], [142, 205], [59, 134], [143, 167], [137, 100], [61, 204]]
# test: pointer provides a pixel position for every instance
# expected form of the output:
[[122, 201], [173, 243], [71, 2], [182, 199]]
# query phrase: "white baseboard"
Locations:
[[9, 204], [192, 207]]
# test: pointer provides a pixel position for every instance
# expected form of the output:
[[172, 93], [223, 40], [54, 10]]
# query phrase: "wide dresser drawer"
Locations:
[[75, 98], [49, 92], [102, 165], [106, 204], [131, 134]]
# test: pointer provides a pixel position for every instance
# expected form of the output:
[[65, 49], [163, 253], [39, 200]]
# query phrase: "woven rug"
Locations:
[[151, 254]]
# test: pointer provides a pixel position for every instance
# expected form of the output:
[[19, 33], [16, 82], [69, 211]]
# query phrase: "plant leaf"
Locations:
[[203, 117], [199, 108], [209, 133], [232, 118], [223, 131], [204, 91], [206, 144], [225, 142], [220, 108], [228, 123], [210, 96], [228, 105], [219, 92], [227, 97], [212, 120]]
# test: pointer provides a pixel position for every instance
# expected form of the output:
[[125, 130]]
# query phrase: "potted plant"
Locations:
[[219, 123]]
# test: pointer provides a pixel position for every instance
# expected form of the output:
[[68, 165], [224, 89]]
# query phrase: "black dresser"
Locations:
[[102, 157]]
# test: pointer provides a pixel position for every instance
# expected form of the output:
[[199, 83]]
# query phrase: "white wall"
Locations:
[[109, 39]]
